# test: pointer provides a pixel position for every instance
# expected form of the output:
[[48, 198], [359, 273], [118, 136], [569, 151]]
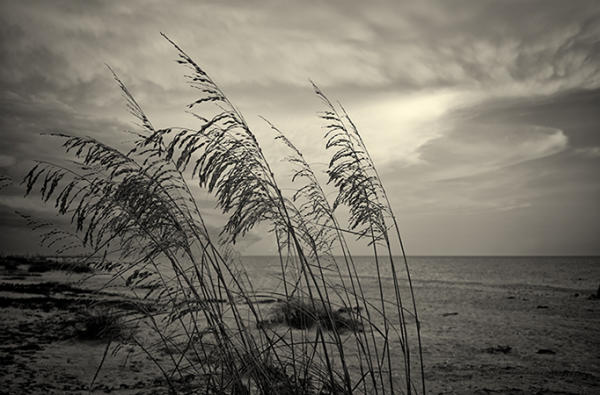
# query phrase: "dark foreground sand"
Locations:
[[478, 339]]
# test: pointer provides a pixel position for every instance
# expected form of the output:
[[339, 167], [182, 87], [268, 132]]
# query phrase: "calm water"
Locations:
[[578, 273]]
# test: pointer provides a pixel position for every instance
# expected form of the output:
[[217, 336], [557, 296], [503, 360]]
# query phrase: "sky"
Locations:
[[482, 117]]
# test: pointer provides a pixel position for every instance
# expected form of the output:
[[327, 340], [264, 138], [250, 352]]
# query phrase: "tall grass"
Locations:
[[327, 332]]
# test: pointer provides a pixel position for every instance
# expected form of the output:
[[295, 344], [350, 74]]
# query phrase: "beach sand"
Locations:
[[479, 338], [486, 339]]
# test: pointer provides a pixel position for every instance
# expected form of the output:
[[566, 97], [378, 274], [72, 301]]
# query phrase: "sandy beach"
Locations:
[[478, 338]]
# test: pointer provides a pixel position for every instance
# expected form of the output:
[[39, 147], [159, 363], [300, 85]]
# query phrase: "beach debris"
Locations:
[[101, 324], [498, 350], [41, 264], [546, 351], [449, 314], [595, 296]]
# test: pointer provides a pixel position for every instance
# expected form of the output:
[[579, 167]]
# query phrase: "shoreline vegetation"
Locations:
[[134, 209]]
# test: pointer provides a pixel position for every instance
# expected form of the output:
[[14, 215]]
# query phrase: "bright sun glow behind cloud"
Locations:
[[396, 126]]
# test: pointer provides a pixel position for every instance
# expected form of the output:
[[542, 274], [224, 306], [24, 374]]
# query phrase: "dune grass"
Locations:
[[301, 313], [137, 205], [103, 325]]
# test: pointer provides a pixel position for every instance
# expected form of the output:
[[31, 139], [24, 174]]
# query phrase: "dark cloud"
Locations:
[[573, 111]]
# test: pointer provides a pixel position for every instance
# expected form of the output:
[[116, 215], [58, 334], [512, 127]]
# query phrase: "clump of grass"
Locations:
[[102, 325], [302, 313], [137, 203], [49, 266], [10, 263]]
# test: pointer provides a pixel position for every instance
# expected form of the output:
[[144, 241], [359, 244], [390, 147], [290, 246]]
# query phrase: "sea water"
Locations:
[[569, 272]]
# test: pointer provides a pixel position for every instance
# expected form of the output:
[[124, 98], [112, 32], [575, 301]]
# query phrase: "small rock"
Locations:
[[541, 306], [449, 314], [546, 351], [595, 296], [498, 350], [30, 347]]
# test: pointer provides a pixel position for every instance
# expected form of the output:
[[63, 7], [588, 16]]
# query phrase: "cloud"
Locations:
[[500, 155], [588, 152], [397, 126], [472, 168], [7, 160], [479, 148], [349, 43]]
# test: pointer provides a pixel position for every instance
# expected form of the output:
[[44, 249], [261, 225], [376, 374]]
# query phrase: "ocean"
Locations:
[[576, 273]]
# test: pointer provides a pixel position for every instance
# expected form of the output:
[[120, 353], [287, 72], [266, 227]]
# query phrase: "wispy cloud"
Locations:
[[589, 152]]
